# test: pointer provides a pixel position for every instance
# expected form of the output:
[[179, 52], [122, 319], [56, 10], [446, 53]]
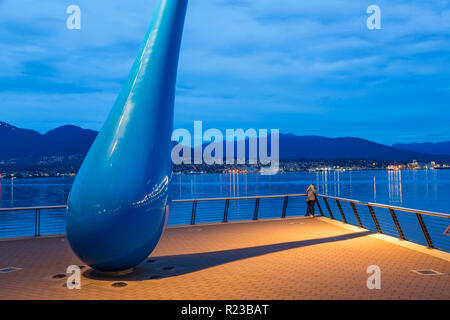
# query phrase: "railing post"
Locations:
[[225, 213], [328, 207], [35, 223], [375, 220], [39, 223], [194, 212], [341, 211], [425, 230], [285, 203], [356, 215], [255, 214], [397, 224], [318, 206]]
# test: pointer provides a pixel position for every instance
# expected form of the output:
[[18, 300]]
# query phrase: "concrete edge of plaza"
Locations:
[[403, 243]]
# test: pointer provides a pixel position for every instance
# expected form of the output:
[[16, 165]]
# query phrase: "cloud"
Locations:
[[243, 62]]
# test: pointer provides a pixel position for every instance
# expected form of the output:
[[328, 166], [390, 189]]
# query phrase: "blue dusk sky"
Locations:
[[302, 66]]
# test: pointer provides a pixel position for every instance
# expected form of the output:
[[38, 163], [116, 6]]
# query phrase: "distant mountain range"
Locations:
[[317, 147], [25, 145], [427, 147], [28, 146]]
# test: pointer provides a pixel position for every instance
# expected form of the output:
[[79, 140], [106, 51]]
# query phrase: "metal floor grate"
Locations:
[[9, 269], [427, 272], [119, 284]]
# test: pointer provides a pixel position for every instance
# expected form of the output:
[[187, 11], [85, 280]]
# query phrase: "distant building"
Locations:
[[414, 165]]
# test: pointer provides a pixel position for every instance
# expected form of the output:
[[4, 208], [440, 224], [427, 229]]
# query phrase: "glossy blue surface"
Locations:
[[118, 205]]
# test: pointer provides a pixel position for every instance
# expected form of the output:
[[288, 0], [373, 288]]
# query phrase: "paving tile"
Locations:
[[256, 260]]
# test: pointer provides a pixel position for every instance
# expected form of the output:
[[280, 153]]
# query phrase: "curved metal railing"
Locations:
[[438, 227], [31, 222], [420, 226], [398, 222]]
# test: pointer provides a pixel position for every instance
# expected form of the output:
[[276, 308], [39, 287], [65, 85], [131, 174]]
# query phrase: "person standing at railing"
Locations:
[[311, 199]]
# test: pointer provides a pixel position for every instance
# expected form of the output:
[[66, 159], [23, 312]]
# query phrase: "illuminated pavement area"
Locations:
[[301, 258]]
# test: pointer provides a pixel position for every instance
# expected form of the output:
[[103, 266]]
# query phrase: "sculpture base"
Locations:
[[112, 274]]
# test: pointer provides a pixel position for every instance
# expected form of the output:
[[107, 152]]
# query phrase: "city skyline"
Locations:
[[303, 68], [300, 151]]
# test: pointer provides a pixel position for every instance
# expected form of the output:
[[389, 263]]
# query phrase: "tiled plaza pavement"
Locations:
[[300, 258]]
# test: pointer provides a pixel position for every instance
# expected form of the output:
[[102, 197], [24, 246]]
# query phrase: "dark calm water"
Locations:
[[421, 189]]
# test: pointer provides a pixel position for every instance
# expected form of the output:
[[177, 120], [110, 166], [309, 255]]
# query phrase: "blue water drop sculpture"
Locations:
[[118, 206]]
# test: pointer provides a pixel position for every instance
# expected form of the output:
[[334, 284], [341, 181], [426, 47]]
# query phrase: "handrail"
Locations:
[[369, 205], [374, 204], [33, 208], [386, 206], [37, 215], [240, 198], [379, 205]]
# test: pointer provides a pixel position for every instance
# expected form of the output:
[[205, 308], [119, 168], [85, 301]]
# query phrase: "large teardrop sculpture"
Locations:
[[119, 203]]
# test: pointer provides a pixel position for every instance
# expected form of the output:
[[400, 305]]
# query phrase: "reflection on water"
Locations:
[[34, 192], [421, 189], [11, 193], [375, 189], [395, 186]]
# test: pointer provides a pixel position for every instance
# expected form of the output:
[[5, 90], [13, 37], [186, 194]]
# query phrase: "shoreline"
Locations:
[[6, 177]]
